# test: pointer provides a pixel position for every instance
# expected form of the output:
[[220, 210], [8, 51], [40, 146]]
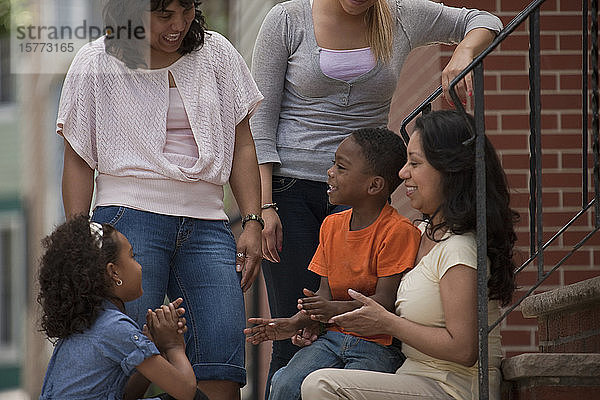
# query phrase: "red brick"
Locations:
[[575, 160], [506, 101], [571, 41], [561, 179], [561, 101], [570, 82], [574, 199], [571, 121], [519, 200], [521, 122], [516, 318], [561, 141], [517, 180], [509, 142], [571, 238], [513, 353], [491, 123], [579, 258], [516, 338], [529, 278], [578, 276], [561, 23], [490, 82], [560, 62], [505, 62], [566, 5], [520, 42]]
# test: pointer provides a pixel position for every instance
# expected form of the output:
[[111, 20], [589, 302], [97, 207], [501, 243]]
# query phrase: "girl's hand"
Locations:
[[249, 254], [163, 324], [272, 235], [318, 308], [368, 320], [270, 329]]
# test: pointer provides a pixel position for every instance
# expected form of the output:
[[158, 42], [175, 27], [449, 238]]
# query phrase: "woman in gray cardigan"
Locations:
[[326, 67]]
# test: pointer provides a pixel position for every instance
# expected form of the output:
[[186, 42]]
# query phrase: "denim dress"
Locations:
[[96, 364]]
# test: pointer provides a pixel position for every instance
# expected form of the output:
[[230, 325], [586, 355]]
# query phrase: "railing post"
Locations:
[[584, 102], [595, 110], [482, 273], [535, 164]]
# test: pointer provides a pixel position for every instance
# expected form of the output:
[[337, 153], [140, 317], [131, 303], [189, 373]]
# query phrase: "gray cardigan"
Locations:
[[306, 114]]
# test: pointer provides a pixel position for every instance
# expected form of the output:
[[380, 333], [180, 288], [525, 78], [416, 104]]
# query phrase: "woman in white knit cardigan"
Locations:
[[158, 113]]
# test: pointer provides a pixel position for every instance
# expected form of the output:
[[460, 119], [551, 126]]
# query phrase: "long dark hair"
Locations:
[[125, 13], [72, 277], [444, 137]]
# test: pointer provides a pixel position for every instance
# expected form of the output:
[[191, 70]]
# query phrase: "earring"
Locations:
[[119, 282]]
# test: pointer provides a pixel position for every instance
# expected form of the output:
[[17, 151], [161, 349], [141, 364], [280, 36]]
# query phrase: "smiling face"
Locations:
[[423, 182], [128, 270], [167, 29], [349, 177], [356, 7]]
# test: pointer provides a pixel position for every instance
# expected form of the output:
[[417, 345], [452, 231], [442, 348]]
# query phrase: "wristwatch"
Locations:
[[253, 217]]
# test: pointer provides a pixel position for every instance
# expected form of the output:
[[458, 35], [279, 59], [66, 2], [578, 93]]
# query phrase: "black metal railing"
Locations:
[[537, 244]]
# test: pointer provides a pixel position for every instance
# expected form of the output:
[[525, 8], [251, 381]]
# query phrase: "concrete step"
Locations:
[[568, 317], [551, 376]]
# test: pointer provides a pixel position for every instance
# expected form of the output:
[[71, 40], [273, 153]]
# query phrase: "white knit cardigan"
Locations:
[[115, 117]]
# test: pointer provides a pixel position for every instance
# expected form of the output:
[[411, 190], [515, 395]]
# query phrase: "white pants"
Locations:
[[330, 384]]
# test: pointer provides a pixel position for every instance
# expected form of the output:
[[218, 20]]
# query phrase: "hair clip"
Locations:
[[97, 233]]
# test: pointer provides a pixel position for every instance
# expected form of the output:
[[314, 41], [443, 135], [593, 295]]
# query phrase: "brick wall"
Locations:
[[507, 124]]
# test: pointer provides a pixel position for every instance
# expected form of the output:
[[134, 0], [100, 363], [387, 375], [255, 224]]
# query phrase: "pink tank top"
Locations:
[[180, 147]]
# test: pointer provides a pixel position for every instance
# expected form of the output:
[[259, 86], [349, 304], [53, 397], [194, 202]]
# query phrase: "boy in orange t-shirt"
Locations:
[[365, 249]]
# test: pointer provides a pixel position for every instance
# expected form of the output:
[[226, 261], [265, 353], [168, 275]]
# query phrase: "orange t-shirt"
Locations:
[[356, 259]]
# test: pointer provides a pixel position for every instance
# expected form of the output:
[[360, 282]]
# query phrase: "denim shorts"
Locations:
[[193, 259]]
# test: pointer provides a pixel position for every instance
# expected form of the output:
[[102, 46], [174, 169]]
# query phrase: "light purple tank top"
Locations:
[[346, 65]]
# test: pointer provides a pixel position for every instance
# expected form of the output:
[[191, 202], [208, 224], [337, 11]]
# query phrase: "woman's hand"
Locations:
[[368, 320], [270, 329], [474, 42], [249, 254], [272, 235]]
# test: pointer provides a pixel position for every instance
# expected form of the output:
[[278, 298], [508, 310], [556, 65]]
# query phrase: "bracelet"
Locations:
[[253, 217], [270, 205]]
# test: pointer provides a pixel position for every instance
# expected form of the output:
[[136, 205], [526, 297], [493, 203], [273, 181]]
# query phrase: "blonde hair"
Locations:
[[380, 30]]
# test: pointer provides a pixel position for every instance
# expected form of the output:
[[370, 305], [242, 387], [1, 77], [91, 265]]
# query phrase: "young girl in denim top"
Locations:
[[87, 274]]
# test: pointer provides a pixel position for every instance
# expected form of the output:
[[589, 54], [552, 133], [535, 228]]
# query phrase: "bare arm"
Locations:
[[171, 370], [457, 342], [77, 183], [474, 42], [245, 185], [272, 235], [323, 309]]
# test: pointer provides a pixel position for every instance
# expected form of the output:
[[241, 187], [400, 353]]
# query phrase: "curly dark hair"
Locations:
[[385, 153], [125, 13], [444, 137], [72, 277]]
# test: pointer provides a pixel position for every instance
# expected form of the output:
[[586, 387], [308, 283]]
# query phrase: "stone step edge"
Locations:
[[531, 365], [570, 296]]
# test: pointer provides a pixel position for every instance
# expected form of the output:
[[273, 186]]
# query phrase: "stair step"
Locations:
[[568, 317], [551, 376]]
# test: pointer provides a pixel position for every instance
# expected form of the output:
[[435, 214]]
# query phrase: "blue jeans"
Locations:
[[193, 259], [333, 350], [303, 205]]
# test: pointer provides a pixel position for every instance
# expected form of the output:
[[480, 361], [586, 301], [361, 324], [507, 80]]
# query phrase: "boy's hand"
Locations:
[[318, 308], [270, 329]]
